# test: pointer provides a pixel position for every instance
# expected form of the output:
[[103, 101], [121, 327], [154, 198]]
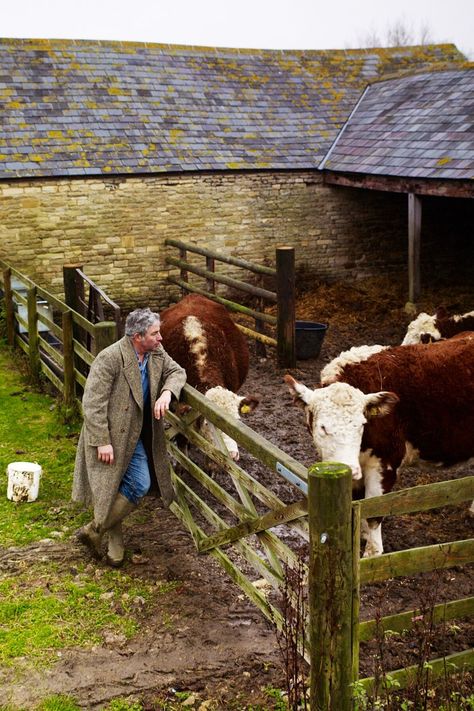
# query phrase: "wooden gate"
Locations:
[[233, 508]]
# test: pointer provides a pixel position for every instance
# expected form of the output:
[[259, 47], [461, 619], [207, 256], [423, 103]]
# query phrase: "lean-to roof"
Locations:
[[419, 126]]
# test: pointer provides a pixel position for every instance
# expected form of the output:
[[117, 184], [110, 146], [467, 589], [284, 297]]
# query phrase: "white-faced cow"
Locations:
[[200, 335], [399, 402], [426, 328]]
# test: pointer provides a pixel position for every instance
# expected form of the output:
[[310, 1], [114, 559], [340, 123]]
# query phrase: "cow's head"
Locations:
[[422, 330], [335, 417], [232, 404]]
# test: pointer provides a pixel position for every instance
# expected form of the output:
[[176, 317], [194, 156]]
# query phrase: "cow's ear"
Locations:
[[380, 404], [248, 404], [301, 394]]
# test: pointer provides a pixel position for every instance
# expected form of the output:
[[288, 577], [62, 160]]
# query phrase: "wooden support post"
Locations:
[[104, 335], [33, 342], [9, 306], [330, 586], [414, 239], [69, 392], [285, 289]]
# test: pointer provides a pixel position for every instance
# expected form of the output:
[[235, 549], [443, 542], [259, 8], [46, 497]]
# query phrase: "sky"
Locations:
[[256, 24]]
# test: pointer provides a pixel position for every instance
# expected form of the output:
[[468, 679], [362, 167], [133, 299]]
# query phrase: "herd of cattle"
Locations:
[[376, 408]]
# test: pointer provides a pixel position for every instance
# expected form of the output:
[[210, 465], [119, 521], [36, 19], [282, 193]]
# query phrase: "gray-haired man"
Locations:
[[121, 450]]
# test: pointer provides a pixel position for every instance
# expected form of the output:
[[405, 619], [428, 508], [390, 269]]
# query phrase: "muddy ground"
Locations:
[[206, 637]]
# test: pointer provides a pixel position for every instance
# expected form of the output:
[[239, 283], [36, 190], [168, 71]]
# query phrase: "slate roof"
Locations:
[[87, 107], [417, 126]]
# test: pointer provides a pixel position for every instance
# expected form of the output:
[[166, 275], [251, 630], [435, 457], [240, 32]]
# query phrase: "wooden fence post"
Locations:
[[73, 289], [104, 335], [211, 266], [285, 289], [9, 306], [183, 272], [33, 342], [74, 296], [69, 392], [330, 586], [260, 348]]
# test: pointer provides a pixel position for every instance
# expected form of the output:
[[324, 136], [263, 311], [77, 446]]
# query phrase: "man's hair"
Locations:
[[139, 321]]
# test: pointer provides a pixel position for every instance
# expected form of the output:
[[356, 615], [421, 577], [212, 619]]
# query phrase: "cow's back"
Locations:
[[200, 335], [449, 326], [435, 384]]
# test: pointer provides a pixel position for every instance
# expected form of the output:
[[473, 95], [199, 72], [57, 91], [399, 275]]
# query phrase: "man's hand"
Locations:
[[105, 454], [162, 404]]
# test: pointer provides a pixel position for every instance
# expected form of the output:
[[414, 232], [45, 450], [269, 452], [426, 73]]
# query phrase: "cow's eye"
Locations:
[[323, 430]]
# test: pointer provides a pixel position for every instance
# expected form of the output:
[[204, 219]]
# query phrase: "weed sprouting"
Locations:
[[291, 638]]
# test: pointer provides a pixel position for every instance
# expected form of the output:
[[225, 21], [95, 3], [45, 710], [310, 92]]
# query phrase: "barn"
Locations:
[[109, 148]]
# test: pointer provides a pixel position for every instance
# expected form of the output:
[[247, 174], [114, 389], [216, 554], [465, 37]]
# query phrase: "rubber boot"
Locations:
[[121, 508], [91, 534], [116, 549]]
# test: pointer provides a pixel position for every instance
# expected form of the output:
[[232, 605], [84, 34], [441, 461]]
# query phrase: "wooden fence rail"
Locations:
[[52, 351], [283, 276]]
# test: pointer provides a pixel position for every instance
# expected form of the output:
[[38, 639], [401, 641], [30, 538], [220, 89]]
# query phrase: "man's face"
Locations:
[[151, 340]]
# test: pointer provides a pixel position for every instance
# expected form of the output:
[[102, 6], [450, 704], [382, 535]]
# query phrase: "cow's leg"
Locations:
[[374, 545], [373, 472]]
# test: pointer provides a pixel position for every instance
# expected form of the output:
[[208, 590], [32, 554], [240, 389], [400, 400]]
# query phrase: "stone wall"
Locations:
[[116, 227]]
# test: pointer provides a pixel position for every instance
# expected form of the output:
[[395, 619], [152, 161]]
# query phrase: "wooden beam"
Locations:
[[386, 183], [414, 240]]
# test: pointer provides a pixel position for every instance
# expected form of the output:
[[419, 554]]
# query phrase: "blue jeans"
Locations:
[[136, 480]]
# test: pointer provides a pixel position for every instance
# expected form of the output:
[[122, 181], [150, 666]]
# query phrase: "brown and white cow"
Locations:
[[426, 328], [200, 335], [382, 411], [331, 372]]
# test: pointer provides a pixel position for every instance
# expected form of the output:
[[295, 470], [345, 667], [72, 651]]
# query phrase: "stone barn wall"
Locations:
[[116, 227]]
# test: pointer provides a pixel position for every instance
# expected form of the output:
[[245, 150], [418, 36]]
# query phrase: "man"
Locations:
[[122, 442]]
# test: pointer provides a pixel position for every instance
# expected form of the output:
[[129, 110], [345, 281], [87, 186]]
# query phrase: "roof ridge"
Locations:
[[54, 42], [402, 74]]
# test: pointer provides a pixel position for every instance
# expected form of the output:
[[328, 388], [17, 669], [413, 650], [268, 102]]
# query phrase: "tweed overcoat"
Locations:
[[113, 414]]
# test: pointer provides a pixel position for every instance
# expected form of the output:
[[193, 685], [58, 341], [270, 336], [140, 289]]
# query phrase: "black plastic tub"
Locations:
[[309, 337]]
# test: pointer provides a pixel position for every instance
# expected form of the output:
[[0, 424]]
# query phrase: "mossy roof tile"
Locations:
[[92, 106], [427, 119]]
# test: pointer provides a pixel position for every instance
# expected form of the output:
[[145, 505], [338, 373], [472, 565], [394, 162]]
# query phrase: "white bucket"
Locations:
[[23, 481]]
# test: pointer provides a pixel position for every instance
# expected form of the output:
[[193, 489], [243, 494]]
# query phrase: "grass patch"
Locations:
[[45, 609], [30, 430]]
